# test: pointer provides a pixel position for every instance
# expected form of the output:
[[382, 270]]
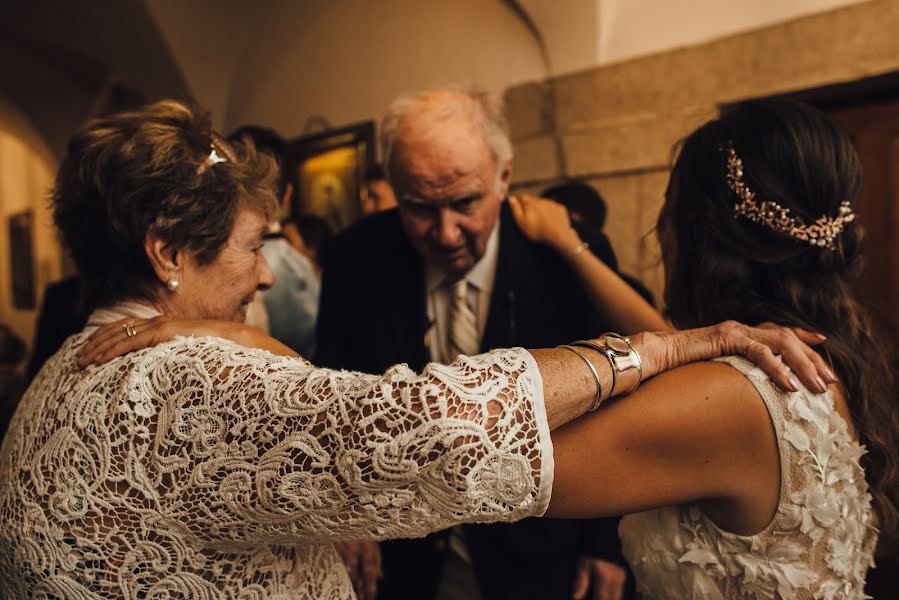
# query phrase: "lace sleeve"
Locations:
[[247, 446]]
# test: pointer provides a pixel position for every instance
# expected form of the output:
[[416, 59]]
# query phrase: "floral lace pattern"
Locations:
[[820, 543], [202, 469]]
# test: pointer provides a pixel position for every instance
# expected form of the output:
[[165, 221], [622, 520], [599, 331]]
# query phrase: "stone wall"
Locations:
[[615, 126]]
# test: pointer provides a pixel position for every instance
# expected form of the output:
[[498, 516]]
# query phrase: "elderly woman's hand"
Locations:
[[118, 338], [764, 345]]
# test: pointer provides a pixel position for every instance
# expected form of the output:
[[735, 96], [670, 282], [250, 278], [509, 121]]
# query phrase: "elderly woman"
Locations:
[[203, 468]]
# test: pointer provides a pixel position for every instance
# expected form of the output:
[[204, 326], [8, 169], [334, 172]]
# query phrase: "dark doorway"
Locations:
[[869, 111]]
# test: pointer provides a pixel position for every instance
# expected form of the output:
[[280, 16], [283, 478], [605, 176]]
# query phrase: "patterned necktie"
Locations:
[[463, 324]]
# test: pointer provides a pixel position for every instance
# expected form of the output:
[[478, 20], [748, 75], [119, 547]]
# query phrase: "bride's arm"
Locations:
[[700, 432], [547, 222]]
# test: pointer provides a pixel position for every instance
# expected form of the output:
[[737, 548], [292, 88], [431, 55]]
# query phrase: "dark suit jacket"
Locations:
[[373, 314], [61, 315]]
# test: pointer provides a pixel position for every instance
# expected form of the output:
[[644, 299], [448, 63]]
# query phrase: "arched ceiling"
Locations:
[[62, 61]]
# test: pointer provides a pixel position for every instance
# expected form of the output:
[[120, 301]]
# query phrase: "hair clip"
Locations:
[[214, 157], [775, 217]]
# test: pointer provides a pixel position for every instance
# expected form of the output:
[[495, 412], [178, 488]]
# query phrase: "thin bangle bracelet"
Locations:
[[592, 370], [604, 352], [580, 248]]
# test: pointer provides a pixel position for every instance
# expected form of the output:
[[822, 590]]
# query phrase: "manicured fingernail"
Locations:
[[794, 385], [821, 336], [830, 374], [821, 385]]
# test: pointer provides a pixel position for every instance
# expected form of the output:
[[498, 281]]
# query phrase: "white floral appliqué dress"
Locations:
[[818, 546]]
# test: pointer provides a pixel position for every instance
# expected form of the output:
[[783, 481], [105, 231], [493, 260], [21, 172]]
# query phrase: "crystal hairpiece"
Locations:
[[215, 146], [775, 217]]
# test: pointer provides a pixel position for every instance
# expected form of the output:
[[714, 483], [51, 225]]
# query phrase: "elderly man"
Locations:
[[449, 273]]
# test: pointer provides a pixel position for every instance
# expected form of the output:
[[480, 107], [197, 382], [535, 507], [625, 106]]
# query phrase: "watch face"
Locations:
[[617, 344]]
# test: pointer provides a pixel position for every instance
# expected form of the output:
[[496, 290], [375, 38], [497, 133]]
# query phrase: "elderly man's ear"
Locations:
[[505, 178], [167, 262]]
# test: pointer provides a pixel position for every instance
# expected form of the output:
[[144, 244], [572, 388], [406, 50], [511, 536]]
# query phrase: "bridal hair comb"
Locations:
[[218, 153], [775, 217]]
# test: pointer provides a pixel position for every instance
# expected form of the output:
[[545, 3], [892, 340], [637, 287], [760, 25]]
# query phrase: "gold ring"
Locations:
[[129, 329]]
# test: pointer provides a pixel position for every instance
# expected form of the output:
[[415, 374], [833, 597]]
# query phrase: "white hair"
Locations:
[[483, 109]]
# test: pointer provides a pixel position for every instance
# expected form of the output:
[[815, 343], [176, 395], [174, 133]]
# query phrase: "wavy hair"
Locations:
[[147, 169], [725, 267]]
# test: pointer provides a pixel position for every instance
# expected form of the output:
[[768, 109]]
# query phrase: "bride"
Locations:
[[739, 489]]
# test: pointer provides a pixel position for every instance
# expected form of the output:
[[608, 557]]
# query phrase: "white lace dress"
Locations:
[[200, 469], [818, 546]]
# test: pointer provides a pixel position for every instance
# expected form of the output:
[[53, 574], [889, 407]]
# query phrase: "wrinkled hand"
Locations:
[[604, 578], [363, 563], [544, 221], [764, 345], [112, 340]]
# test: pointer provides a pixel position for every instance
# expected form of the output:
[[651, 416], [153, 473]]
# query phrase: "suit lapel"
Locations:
[[513, 264], [409, 306]]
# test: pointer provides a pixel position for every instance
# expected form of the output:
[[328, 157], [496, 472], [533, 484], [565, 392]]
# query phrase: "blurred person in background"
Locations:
[[310, 235], [377, 194], [12, 351]]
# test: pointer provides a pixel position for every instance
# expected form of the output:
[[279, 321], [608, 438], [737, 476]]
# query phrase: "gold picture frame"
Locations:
[[328, 168]]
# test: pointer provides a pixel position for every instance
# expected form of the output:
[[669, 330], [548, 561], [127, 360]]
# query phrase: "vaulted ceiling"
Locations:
[[62, 61]]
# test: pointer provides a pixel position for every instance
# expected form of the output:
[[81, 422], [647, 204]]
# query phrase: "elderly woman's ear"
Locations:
[[166, 260]]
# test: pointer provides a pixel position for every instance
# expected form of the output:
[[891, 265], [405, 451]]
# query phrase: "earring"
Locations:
[[173, 284]]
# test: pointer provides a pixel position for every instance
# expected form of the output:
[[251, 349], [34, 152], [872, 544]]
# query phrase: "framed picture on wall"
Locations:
[[24, 294], [328, 169]]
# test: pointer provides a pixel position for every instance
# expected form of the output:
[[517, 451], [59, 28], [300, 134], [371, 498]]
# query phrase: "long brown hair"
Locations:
[[731, 268]]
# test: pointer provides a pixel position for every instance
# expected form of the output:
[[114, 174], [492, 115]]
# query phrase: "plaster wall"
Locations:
[[26, 174], [570, 30], [280, 62], [631, 28], [346, 60], [207, 39]]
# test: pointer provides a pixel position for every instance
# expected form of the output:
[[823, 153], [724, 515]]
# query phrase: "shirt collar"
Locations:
[[122, 310]]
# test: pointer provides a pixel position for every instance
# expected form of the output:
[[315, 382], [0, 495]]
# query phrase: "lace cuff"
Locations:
[[547, 465]]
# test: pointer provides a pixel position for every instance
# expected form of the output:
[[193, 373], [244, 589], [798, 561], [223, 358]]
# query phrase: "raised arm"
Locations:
[[547, 222]]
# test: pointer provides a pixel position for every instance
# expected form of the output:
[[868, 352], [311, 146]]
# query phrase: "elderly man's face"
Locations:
[[449, 189]]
